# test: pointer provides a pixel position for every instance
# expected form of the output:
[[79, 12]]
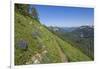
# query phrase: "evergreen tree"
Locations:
[[22, 8]]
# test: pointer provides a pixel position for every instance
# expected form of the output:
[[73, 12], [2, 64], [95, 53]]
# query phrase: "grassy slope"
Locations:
[[57, 49]]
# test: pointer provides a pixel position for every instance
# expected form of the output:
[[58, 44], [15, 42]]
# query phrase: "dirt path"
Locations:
[[62, 55]]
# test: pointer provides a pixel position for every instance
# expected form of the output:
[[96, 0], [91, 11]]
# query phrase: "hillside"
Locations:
[[36, 44], [81, 37], [42, 45]]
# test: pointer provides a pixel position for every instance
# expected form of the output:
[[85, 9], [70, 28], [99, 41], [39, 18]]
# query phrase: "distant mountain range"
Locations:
[[62, 29], [67, 29]]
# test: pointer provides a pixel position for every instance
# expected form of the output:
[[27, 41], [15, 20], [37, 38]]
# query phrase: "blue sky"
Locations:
[[65, 16]]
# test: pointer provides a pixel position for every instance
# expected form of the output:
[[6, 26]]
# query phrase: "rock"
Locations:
[[33, 58], [44, 52], [23, 44], [35, 34], [36, 61], [38, 55]]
